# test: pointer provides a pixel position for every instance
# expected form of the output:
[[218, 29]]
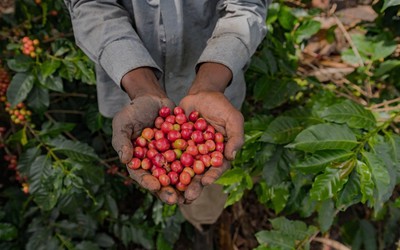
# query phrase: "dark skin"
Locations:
[[205, 95]]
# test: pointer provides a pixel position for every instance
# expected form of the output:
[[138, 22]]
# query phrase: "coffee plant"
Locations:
[[322, 156]]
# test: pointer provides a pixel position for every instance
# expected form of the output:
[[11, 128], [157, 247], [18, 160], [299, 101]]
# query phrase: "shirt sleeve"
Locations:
[[237, 34], [104, 31]]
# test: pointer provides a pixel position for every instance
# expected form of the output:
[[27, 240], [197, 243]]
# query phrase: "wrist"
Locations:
[[211, 77], [141, 81]]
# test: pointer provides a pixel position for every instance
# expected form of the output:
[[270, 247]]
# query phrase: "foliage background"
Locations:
[[320, 166]]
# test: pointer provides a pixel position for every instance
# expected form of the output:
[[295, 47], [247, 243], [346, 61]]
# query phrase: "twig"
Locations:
[[348, 38], [332, 243], [386, 109], [385, 103]]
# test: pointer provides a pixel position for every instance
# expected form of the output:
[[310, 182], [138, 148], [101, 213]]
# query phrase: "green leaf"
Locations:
[[389, 3], [276, 166], [19, 88], [20, 63], [274, 93], [48, 67], [282, 130], [386, 67], [38, 99], [306, 30], [326, 215], [26, 159], [93, 118], [383, 48], [40, 169], [8, 232], [231, 176], [87, 245], [104, 240], [286, 18], [350, 194], [326, 185], [351, 113], [324, 136], [76, 150], [53, 83], [279, 196], [381, 178], [366, 182], [55, 128], [112, 206], [320, 159], [275, 239]]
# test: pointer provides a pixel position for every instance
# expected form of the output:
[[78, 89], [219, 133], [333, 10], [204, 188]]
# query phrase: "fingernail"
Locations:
[[120, 154]]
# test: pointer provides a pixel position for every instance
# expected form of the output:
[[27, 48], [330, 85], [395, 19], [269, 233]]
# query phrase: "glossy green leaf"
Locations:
[[274, 93], [275, 239], [279, 196], [350, 193], [231, 176], [326, 215], [40, 169], [366, 183], [306, 30], [282, 130], [20, 63], [48, 67], [389, 3], [381, 178], [39, 99], [19, 88], [327, 184], [324, 136], [53, 83], [77, 150], [386, 67], [87, 245], [351, 113], [320, 159], [286, 18], [26, 159]]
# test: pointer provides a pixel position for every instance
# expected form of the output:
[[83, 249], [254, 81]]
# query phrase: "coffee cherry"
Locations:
[[185, 178], [186, 159], [164, 112], [134, 163], [193, 116], [148, 133], [164, 180], [198, 167], [174, 177]]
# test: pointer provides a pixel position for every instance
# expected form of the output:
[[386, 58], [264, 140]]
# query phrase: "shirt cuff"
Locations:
[[122, 56], [227, 50]]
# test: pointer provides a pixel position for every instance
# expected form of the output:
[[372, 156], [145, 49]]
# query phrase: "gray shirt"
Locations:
[[171, 36]]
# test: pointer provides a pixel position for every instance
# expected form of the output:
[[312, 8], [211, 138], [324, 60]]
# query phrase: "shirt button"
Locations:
[[170, 75], [163, 40]]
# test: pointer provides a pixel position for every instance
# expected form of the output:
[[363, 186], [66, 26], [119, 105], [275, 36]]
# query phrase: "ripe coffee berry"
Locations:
[[178, 147]]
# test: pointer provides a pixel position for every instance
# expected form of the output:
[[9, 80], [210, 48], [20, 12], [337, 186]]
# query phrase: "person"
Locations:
[[153, 53]]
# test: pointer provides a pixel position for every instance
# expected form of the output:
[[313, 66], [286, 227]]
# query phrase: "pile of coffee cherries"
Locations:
[[178, 148]]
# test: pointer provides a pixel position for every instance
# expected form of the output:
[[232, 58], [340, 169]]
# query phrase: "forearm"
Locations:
[[141, 81], [211, 77]]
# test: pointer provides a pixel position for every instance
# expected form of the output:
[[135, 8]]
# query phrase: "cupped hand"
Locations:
[[214, 107], [127, 125]]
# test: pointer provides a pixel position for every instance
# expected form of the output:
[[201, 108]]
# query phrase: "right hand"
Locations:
[[147, 98]]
